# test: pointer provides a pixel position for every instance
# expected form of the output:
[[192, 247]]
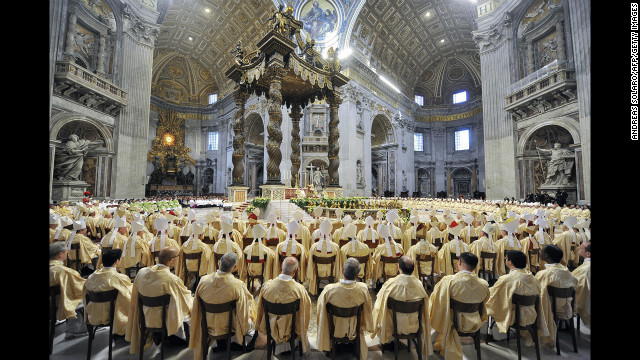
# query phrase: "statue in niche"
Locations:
[[68, 163], [189, 178], [404, 181], [560, 165], [318, 180], [359, 177]]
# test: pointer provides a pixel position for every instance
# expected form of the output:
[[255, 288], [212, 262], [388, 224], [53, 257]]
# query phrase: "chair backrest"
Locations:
[[371, 244], [405, 307], [341, 312], [246, 242], [273, 242], [256, 260], [423, 258], [561, 293], [525, 300], [342, 242], [454, 259], [389, 259], [437, 242], [153, 301], [206, 307], [191, 256], [207, 240], [323, 260], [488, 256], [281, 309], [460, 307], [109, 296]]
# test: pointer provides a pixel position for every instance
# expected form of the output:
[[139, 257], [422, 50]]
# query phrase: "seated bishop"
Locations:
[[357, 249], [227, 242], [258, 259], [283, 289], [508, 241], [194, 244], [368, 235], [220, 287], [451, 250], [274, 234], [464, 286], [346, 293], [389, 249], [291, 247], [323, 247], [404, 287]]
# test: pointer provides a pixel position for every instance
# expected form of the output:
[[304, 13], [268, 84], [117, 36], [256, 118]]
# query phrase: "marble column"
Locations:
[[295, 115], [274, 139], [70, 37], [132, 126], [237, 174], [580, 20], [334, 136]]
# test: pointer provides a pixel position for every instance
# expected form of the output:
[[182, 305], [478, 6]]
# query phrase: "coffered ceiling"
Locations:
[[396, 37]]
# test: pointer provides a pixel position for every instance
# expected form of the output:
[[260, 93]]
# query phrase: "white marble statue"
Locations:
[[317, 179], [560, 165], [68, 163]]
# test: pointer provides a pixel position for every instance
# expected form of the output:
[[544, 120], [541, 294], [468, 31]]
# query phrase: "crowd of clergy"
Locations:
[[465, 251]]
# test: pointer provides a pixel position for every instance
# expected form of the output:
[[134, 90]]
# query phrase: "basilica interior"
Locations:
[[242, 99], [438, 98]]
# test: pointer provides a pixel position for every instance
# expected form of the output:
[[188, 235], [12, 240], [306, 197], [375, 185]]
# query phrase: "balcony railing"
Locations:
[[553, 84], [81, 85]]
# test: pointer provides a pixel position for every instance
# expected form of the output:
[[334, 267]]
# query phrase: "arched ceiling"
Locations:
[[394, 36], [400, 40]]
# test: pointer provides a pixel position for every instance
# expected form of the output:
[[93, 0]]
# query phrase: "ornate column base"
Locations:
[[571, 190], [69, 190], [274, 192], [238, 193], [333, 192]]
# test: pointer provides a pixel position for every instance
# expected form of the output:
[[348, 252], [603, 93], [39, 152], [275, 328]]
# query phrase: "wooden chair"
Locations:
[[132, 271], [406, 307], [54, 292], [460, 307], [389, 260], [76, 263], [371, 244], [490, 275], [424, 277], [183, 239], [323, 260], [209, 241], [341, 312], [187, 274], [246, 242], [454, 261], [228, 307], [362, 260], [472, 239], [251, 278], [536, 253], [156, 301], [563, 293], [437, 242], [272, 243], [109, 296], [523, 300], [281, 309], [342, 243], [281, 259]]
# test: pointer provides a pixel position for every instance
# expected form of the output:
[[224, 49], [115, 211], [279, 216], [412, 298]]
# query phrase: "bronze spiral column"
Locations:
[[295, 115], [273, 128], [334, 102], [237, 158]]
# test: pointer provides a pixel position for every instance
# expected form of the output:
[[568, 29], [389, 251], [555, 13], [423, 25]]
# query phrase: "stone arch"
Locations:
[[254, 125], [381, 127], [564, 122], [60, 120], [461, 179]]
